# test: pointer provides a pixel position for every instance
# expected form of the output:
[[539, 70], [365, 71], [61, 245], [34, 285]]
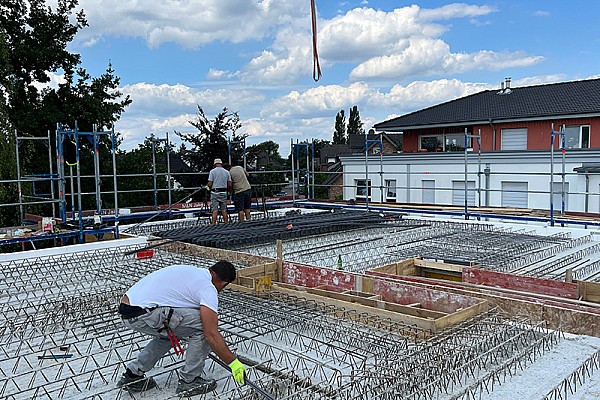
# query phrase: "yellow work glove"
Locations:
[[238, 371]]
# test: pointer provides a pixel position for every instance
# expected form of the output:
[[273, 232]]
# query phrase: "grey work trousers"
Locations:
[[186, 324]]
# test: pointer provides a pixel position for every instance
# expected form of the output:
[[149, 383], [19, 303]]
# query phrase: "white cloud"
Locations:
[[216, 74], [541, 13], [55, 80], [190, 23], [319, 101], [399, 44], [429, 57], [421, 94]]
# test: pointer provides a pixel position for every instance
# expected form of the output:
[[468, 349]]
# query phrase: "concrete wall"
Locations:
[[533, 167]]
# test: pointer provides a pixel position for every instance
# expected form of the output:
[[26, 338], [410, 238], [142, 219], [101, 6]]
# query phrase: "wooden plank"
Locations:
[[439, 266], [259, 270], [590, 291], [462, 315]]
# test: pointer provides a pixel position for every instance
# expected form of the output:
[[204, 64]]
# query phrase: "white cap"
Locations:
[[217, 161]]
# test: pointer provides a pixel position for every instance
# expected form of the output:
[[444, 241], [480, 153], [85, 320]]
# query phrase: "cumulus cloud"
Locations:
[[318, 101], [428, 57], [218, 74], [190, 23], [399, 44]]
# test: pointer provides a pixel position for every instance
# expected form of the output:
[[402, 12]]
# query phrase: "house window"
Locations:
[[361, 188], [390, 190], [577, 137], [514, 139], [456, 142], [330, 160], [431, 143], [446, 142]]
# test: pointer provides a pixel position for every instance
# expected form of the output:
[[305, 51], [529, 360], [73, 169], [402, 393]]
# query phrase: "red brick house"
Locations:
[[510, 118]]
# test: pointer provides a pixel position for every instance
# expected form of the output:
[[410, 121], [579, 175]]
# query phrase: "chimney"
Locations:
[[507, 81], [501, 86]]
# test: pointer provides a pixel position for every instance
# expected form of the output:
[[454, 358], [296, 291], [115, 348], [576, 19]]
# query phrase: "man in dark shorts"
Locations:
[[242, 191]]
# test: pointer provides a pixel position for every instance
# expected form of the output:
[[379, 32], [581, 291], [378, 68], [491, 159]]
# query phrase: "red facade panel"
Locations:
[[539, 133]]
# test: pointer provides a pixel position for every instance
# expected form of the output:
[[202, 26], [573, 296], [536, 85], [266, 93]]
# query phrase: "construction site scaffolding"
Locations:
[[466, 150], [309, 170], [63, 133], [33, 178], [563, 149], [368, 143]]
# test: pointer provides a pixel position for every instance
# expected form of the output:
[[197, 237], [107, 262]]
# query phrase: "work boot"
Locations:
[[135, 383], [197, 386]]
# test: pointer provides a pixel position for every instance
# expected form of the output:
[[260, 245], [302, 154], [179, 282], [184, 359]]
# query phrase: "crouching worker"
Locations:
[[180, 300]]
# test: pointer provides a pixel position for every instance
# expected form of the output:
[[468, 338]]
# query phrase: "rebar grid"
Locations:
[[493, 248], [575, 379], [294, 348], [147, 229]]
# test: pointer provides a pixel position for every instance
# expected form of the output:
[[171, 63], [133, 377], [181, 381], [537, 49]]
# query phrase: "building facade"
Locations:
[[521, 179], [524, 118], [532, 147]]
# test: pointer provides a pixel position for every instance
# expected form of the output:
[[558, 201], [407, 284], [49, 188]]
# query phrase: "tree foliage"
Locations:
[[269, 147], [134, 165], [37, 37], [355, 125], [210, 141], [33, 46], [339, 134]]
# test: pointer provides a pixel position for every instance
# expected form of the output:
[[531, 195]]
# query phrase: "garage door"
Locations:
[[428, 191], [458, 193], [514, 194], [514, 139]]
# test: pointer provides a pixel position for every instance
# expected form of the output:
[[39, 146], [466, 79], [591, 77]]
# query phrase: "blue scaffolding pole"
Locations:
[[367, 186], [466, 148], [563, 149], [309, 167], [63, 132]]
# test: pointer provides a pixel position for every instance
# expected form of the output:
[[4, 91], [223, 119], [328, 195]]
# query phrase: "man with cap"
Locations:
[[219, 182]]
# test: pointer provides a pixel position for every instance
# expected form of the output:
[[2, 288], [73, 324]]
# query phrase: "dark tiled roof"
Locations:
[[337, 167], [559, 99]]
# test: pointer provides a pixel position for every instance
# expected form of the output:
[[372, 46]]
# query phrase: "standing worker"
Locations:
[[242, 191], [219, 181], [179, 301]]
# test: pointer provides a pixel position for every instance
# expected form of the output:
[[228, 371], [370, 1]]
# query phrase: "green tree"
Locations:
[[36, 40], [269, 147], [210, 141], [355, 125], [133, 165], [33, 45], [339, 135]]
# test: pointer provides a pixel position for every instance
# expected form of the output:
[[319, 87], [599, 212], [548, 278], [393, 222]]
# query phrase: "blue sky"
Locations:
[[387, 57]]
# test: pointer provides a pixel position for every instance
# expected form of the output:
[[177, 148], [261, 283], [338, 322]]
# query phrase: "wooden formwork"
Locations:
[[428, 309]]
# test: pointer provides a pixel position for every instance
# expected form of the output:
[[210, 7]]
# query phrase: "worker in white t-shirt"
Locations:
[[179, 300]]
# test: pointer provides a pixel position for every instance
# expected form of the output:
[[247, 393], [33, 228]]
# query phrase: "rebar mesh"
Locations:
[[61, 337]]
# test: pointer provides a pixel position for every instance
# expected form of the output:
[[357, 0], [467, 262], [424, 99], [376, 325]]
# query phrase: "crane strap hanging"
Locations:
[[316, 66]]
